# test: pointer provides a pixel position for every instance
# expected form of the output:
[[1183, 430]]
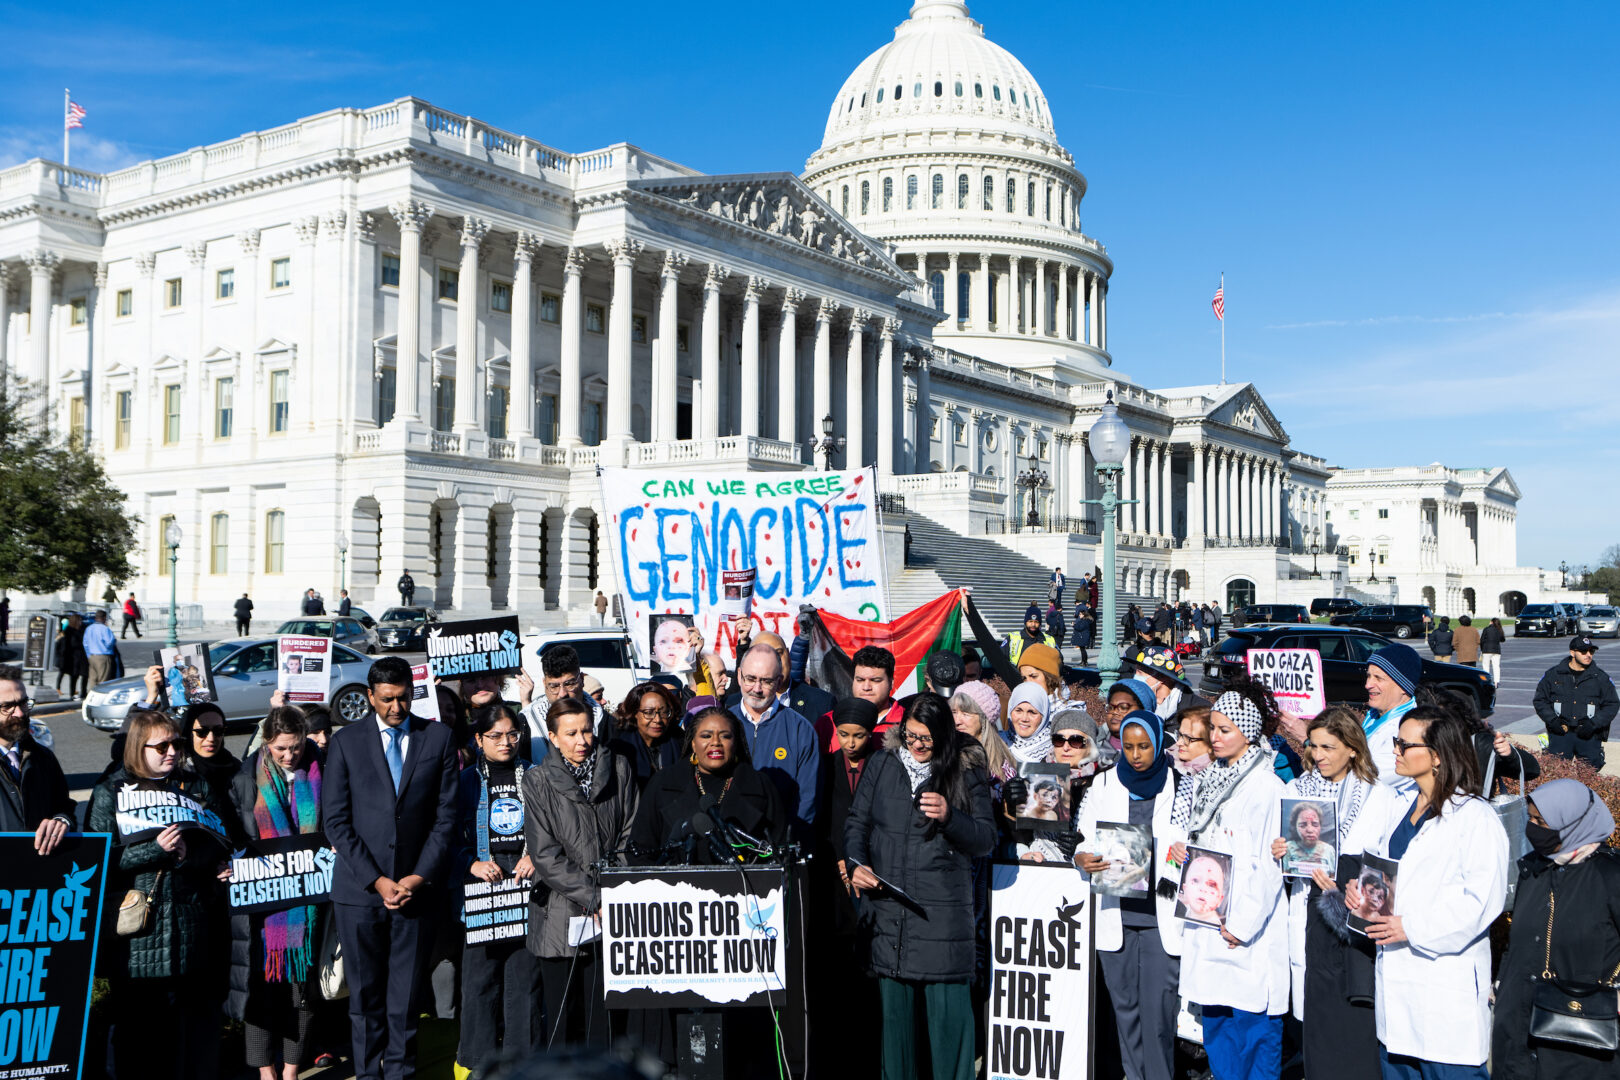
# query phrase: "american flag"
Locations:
[[1219, 303], [75, 115]]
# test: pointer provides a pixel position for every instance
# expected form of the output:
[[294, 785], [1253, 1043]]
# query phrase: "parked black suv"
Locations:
[[1334, 605], [1269, 613], [1391, 620], [1546, 620], [1345, 652]]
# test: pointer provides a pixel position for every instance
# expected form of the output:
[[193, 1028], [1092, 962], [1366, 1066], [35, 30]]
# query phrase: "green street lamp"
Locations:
[[171, 540], [1110, 441], [343, 559]]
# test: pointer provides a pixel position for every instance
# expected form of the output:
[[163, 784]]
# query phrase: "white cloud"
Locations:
[[90, 151]]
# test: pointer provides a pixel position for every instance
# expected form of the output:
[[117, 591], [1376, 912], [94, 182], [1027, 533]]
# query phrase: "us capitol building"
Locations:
[[418, 332]]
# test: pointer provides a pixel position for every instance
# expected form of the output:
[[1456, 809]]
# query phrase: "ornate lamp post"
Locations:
[[171, 540], [1033, 478], [826, 446], [1110, 442], [343, 560], [1316, 549], [1563, 574]]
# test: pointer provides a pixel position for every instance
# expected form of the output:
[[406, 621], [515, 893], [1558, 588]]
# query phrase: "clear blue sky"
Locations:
[[1414, 204]]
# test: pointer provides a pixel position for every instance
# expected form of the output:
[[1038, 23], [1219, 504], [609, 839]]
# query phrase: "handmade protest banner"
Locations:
[[475, 647], [1294, 676], [147, 807], [281, 872], [1039, 1013], [693, 937], [50, 922], [424, 699], [496, 911], [304, 668], [812, 537]]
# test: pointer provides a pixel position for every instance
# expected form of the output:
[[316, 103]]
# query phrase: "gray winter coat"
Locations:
[[565, 835]]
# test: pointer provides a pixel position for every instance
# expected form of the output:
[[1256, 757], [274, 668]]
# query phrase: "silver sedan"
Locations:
[[1600, 620], [244, 677]]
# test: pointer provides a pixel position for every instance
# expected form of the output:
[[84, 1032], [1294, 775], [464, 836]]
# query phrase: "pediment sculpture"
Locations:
[[782, 210]]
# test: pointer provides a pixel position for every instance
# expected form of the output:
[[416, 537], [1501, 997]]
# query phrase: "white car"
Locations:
[[1600, 620], [604, 651]]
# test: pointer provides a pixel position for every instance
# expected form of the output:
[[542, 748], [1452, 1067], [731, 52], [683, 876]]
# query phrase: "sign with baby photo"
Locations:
[[1128, 849], [1311, 833], [1206, 887], [1372, 894], [1047, 807]]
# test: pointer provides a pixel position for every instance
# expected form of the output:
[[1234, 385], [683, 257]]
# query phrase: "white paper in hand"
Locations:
[[582, 930]]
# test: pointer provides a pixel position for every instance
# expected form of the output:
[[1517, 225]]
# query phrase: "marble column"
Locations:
[[5, 319], [41, 265], [975, 435], [1063, 321], [1195, 494], [1167, 502], [855, 390], [787, 368], [1276, 502], [885, 398], [473, 231], [570, 377], [979, 293], [623, 251], [520, 410], [906, 454], [925, 415], [666, 380], [410, 216], [947, 438], [710, 361], [953, 295], [1040, 320], [1228, 510], [1155, 518], [1015, 297], [1138, 487], [821, 375], [1102, 314], [748, 413]]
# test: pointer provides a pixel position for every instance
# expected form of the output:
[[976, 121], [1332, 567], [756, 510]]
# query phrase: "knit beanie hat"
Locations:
[[1140, 690], [1043, 658], [1401, 663], [988, 701], [1073, 717]]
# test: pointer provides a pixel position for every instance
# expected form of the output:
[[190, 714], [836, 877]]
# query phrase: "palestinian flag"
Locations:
[[912, 638]]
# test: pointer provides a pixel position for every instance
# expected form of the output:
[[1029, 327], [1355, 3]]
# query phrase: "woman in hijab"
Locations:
[[1029, 725], [203, 726], [1570, 881], [1139, 937], [1238, 971]]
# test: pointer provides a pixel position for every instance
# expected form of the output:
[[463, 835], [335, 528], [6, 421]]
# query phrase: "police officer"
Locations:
[[1577, 702]]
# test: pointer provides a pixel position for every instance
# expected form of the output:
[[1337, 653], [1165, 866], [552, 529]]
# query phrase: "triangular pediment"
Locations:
[[1245, 410], [276, 345], [1504, 484], [220, 354], [777, 205]]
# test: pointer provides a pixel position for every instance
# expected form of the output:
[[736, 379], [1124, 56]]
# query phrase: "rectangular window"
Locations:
[[275, 540], [124, 407], [449, 282], [171, 293], [911, 193], [280, 402], [171, 414], [1012, 194], [1383, 513], [224, 392], [591, 423], [444, 403], [76, 421], [1383, 554], [546, 429], [638, 329], [280, 272], [162, 545], [683, 337], [219, 543], [385, 395], [888, 193], [959, 434], [550, 308], [390, 269], [498, 397], [126, 303], [1355, 515], [595, 318], [224, 284], [77, 311], [500, 296]]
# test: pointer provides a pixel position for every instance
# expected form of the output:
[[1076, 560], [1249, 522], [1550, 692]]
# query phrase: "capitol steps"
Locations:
[[1004, 582]]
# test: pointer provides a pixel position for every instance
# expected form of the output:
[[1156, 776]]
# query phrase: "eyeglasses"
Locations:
[[1402, 746], [20, 705], [166, 745], [211, 732], [502, 736], [1188, 740], [919, 740], [1073, 742], [653, 714], [1121, 706]]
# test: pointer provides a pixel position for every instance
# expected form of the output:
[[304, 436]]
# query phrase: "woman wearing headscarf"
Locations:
[[1139, 938], [1238, 971], [1434, 952], [1029, 725], [1569, 883], [921, 816], [1125, 697], [203, 726], [1332, 965]]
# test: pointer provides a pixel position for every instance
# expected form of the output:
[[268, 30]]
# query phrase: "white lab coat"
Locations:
[[1433, 997], [1254, 976], [1368, 829], [1109, 800]]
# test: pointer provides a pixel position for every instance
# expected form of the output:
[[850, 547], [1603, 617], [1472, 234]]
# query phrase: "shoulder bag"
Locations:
[[1514, 813], [1571, 1013], [135, 911]]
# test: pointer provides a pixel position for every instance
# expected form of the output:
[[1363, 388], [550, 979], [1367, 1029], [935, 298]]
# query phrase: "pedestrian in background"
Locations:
[[70, 659], [1465, 640], [1442, 640], [1576, 701], [407, 589], [344, 606], [601, 605], [100, 649], [313, 605], [132, 617], [244, 615], [1085, 625], [1490, 649]]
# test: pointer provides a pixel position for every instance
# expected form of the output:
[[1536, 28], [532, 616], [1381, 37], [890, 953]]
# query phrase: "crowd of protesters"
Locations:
[[896, 798]]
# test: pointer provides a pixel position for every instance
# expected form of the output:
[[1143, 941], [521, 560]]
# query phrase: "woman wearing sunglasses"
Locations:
[[1139, 939], [165, 1016], [203, 727]]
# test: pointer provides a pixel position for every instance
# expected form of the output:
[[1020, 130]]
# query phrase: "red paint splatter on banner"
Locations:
[[827, 591], [676, 577], [767, 536], [814, 562], [674, 527], [812, 524], [859, 477], [767, 560], [633, 533]]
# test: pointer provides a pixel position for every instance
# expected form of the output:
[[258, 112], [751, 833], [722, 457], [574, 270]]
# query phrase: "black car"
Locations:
[[1269, 613], [1546, 620], [404, 629], [1334, 605], [1345, 652], [1391, 620]]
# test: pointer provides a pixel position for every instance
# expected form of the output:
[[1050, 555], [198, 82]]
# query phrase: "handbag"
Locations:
[[1575, 1014], [333, 985], [136, 911], [1513, 811]]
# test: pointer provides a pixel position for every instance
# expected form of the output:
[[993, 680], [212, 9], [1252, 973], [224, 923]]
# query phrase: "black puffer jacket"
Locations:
[[1585, 949], [1583, 702], [886, 832]]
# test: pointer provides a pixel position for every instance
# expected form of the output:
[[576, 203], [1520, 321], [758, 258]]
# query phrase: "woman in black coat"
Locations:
[[921, 816], [648, 731], [1572, 866]]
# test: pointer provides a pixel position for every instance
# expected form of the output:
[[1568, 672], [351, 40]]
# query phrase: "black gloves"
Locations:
[[1014, 794], [1066, 842]]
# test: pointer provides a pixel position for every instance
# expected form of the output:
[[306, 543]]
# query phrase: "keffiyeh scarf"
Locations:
[[1209, 789], [917, 772], [287, 804], [1348, 795]]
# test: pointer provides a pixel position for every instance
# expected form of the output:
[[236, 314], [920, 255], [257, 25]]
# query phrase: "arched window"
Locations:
[[880, 95], [1026, 99], [939, 88], [851, 104], [964, 294], [866, 197], [1030, 201], [995, 91], [1012, 194], [275, 540], [961, 191], [1049, 201], [916, 89], [936, 290], [888, 194], [219, 544], [1063, 205], [843, 207], [958, 87], [978, 90], [989, 193], [911, 192], [863, 99], [938, 190], [995, 283], [897, 91]]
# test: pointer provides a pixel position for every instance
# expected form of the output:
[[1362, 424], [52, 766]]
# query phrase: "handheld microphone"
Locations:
[[718, 834]]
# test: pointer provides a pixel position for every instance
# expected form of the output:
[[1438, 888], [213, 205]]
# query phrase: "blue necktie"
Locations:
[[396, 758]]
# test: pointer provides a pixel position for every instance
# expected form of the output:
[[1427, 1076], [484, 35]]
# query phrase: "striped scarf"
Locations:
[[287, 804]]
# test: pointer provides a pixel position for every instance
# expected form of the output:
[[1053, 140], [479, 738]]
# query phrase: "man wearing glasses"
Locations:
[[33, 792], [1577, 702]]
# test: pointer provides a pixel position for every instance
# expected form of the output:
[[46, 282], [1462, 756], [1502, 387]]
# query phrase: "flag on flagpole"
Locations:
[[1218, 305], [75, 115]]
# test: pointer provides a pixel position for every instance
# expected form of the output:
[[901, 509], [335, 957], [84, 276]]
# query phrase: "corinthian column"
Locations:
[[855, 390], [885, 399], [520, 411], [472, 234], [787, 368], [821, 377], [41, 265], [623, 252], [569, 398], [710, 361], [748, 415], [666, 381], [925, 415], [411, 217]]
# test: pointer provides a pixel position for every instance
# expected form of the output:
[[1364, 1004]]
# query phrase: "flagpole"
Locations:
[[67, 103], [1223, 328]]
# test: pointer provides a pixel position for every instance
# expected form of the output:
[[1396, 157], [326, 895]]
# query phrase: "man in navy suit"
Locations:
[[389, 800]]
